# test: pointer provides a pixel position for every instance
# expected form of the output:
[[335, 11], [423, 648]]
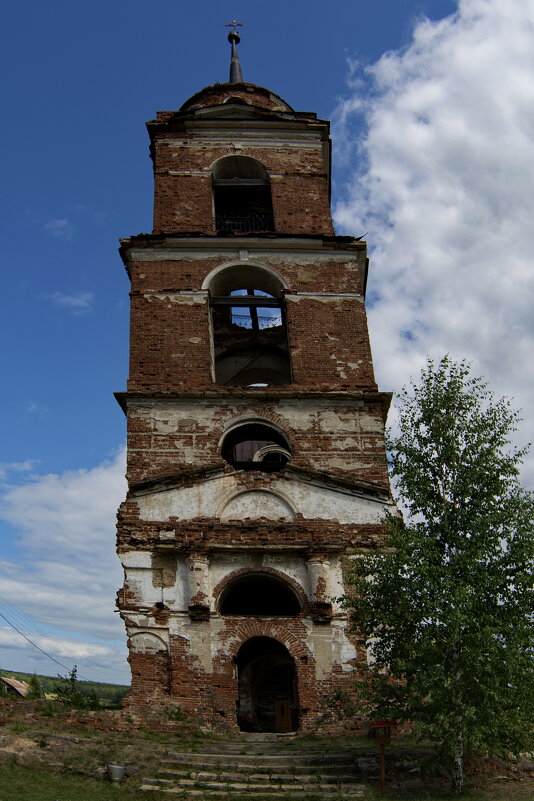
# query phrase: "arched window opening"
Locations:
[[259, 595], [249, 328], [242, 195], [267, 687], [236, 99], [256, 446]]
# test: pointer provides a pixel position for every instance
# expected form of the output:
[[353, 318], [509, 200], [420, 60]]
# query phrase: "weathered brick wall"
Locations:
[[144, 535], [183, 198], [170, 339], [164, 264], [184, 151], [211, 698], [341, 438], [330, 345]]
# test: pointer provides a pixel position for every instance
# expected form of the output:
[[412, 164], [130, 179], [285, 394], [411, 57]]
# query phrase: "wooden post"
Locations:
[[382, 767]]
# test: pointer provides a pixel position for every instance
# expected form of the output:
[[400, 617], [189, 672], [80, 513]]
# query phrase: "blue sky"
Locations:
[[432, 115], [83, 81]]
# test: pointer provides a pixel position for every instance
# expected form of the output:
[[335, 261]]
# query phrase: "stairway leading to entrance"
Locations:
[[260, 768]]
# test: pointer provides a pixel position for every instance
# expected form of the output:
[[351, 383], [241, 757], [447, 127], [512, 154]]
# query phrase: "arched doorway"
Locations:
[[267, 682]]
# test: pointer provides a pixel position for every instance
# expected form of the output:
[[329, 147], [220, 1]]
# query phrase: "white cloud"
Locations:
[[60, 228], [63, 648], [444, 184], [64, 573], [73, 511], [17, 467], [77, 302], [33, 407]]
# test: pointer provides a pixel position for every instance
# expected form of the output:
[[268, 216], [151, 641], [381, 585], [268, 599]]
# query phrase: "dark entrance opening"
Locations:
[[261, 595], [267, 683]]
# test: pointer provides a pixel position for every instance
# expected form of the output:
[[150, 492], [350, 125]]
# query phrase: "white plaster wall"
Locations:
[[336, 582], [132, 559], [293, 566], [180, 626], [138, 574], [258, 502], [140, 584], [208, 499], [181, 587], [222, 565], [148, 642], [202, 500], [320, 644], [342, 649]]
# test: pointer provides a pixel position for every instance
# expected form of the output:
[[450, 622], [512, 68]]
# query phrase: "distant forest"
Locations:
[[109, 693]]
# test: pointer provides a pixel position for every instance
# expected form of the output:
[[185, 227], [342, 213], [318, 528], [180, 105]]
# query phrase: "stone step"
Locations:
[[252, 748], [281, 742], [170, 766], [256, 785], [290, 791], [263, 759], [178, 775], [205, 794], [286, 754], [239, 771]]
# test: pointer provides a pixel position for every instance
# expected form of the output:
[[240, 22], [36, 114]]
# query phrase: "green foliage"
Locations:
[[36, 691], [176, 714], [447, 606], [71, 694], [52, 709], [339, 705]]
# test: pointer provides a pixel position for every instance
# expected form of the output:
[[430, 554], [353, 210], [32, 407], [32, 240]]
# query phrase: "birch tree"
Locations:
[[446, 606]]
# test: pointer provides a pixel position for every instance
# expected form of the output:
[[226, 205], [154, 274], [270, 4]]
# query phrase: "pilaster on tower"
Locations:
[[256, 461]]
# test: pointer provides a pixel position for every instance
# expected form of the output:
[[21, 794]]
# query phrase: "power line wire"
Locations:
[[38, 648], [25, 620], [27, 623]]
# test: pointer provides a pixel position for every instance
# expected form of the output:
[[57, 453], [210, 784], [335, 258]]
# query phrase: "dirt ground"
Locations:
[[48, 745]]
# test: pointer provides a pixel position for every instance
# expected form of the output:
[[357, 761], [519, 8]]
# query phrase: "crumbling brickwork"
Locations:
[[256, 461]]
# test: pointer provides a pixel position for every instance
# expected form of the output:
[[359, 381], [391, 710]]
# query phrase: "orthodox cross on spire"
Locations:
[[236, 76]]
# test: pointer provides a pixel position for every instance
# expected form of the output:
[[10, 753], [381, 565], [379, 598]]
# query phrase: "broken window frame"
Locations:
[[266, 344], [269, 439]]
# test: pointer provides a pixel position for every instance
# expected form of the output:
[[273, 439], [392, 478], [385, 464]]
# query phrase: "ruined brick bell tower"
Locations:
[[255, 429]]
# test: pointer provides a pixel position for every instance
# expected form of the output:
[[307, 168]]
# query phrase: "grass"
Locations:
[[505, 793], [18, 783], [26, 784]]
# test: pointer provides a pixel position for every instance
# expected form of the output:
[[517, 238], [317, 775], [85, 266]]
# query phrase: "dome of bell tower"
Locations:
[[246, 93]]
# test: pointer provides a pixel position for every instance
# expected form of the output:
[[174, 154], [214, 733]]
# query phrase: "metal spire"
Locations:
[[236, 76]]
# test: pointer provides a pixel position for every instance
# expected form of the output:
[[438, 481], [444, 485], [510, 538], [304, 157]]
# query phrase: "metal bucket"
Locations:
[[116, 772]]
